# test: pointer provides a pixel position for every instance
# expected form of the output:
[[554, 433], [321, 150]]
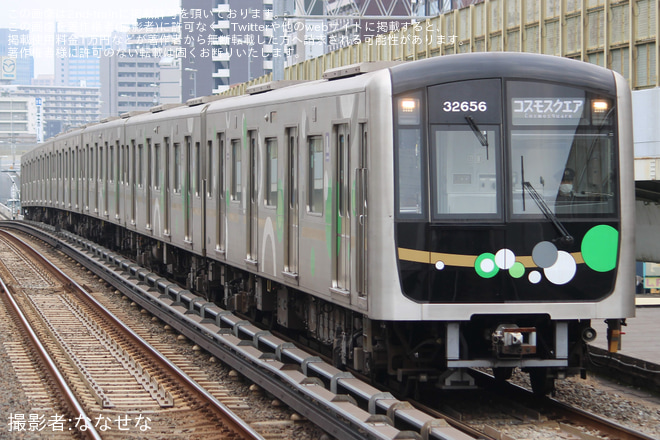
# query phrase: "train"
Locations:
[[411, 220]]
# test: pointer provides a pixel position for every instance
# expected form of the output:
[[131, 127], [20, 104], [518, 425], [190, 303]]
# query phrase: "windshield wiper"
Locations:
[[480, 136], [566, 238]]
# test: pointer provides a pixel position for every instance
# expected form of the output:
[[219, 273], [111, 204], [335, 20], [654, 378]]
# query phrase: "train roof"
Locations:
[[449, 68]]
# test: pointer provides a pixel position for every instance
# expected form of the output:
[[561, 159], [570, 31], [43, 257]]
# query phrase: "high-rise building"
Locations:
[[147, 71], [130, 83], [242, 46], [15, 44], [198, 40], [77, 59]]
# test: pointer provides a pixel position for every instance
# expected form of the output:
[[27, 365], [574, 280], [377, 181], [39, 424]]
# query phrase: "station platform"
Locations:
[[640, 340]]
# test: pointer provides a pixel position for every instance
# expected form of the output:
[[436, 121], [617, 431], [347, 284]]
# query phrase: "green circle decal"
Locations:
[[600, 248], [485, 265], [517, 270]]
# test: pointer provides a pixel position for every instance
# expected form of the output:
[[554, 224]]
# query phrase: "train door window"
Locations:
[[209, 169], [139, 166], [236, 189], [177, 167], [315, 174], [90, 158], [122, 162], [111, 164], [95, 161], [198, 169], [147, 168], [156, 166], [271, 172], [102, 169]]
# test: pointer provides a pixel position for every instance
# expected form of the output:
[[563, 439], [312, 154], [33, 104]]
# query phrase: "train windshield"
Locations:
[[562, 147], [465, 177]]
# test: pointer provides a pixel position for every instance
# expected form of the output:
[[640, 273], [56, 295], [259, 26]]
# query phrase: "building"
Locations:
[[18, 127], [44, 80], [343, 32], [62, 108], [147, 71], [169, 86], [156, 36], [198, 39], [15, 49], [77, 59], [130, 83], [242, 48]]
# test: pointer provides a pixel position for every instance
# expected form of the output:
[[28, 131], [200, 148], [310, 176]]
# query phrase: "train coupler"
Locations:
[[511, 340]]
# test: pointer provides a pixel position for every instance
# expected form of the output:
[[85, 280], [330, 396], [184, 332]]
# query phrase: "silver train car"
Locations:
[[412, 221]]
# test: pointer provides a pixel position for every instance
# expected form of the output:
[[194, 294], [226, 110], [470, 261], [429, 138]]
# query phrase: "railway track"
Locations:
[[220, 333], [336, 401], [506, 410], [116, 386]]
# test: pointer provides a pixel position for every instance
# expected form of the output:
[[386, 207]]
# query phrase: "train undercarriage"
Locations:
[[408, 356]]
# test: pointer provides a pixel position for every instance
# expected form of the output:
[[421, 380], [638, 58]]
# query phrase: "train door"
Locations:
[[98, 150], [147, 189], [220, 185], [187, 196], [342, 220], [133, 182], [291, 247], [166, 189], [107, 175], [117, 175], [361, 212], [77, 177], [253, 214]]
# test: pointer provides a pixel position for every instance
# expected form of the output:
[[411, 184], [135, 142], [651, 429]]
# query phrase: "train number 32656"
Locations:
[[464, 106]]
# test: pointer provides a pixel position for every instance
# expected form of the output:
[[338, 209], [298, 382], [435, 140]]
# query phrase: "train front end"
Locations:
[[513, 209]]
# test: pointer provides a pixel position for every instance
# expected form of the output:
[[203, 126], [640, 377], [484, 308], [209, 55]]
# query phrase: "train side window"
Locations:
[[198, 170], [410, 171], [315, 174], [236, 189], [271, 172]]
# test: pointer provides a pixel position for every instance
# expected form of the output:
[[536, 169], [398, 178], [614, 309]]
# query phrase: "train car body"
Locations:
[[413, 221]]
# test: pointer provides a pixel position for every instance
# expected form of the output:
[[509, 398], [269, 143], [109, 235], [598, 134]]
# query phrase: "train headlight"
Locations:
[[600, 106], [408, 105], [409, 112]]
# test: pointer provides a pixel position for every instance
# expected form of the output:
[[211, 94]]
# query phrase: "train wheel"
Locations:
[[502, 373], [542, 381]]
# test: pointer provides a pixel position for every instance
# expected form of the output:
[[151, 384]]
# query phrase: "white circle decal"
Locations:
[[563, 270], [439, 265], [535, 277], [487, 265], [505, 258]]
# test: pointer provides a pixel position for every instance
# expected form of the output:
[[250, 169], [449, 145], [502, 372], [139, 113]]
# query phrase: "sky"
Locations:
[[82, 17]]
